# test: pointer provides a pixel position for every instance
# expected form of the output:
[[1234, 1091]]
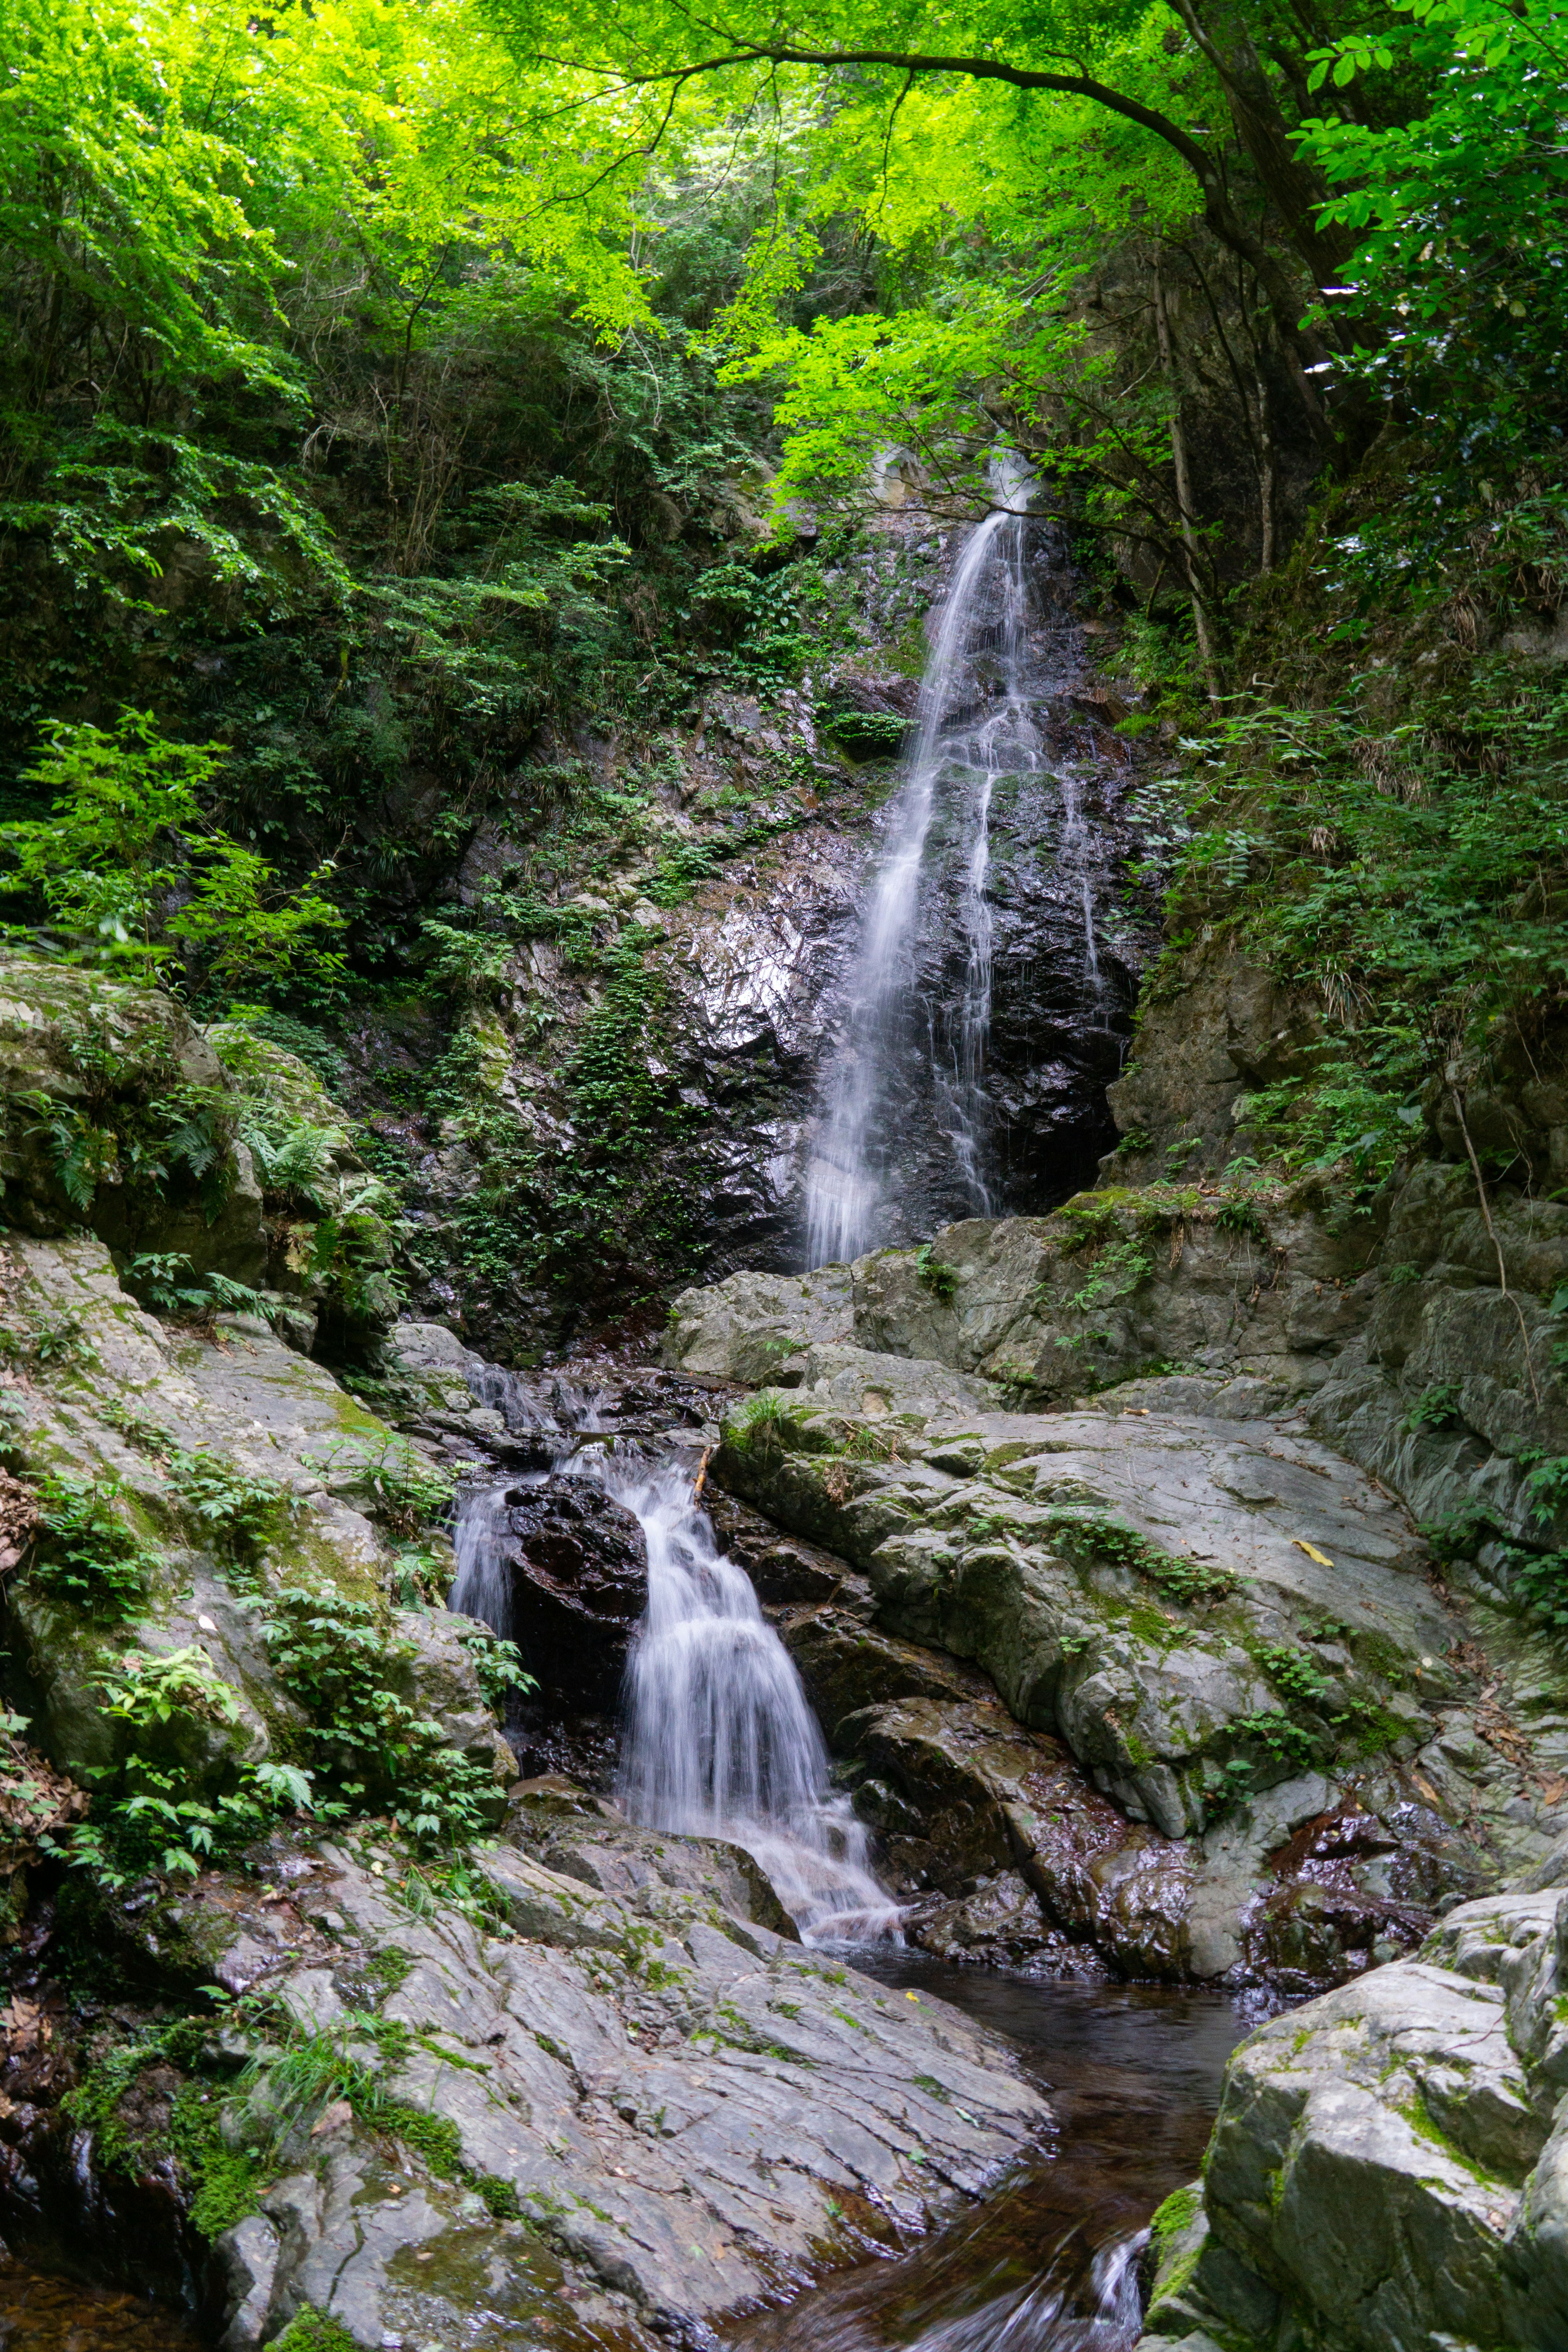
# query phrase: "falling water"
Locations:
[[860, 1130], [719, 1739], [1103, 2314], [482, 1586]]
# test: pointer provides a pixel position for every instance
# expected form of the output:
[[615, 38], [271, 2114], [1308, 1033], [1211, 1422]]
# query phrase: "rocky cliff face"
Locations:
[[618, 1091]]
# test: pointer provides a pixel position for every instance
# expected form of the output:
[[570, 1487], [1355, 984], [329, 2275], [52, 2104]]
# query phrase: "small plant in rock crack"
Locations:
[[1293, 1672], [762, 1424], [1119, 1270], [497, 1662], [87, 1555], [417, 1579], [63, 1340], [1436, 1408], [1237, 1214], [934, 1274], [407, 1492], [1106, 1539]]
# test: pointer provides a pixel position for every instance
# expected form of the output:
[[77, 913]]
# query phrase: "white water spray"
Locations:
[[1104, 2314], [859, 1135], [719, 1739], [482, 1586]]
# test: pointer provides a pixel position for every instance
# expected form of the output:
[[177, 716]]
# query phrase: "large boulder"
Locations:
[[155, 1420], [1388, 2164], [1215, 1643], [601, 2084]]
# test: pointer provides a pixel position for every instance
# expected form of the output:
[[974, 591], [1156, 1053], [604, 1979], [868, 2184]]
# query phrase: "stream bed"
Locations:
[[1134, 2075]]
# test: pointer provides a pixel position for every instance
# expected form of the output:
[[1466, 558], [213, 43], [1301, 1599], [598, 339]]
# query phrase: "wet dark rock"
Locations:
[[1000, 1926], [847, 1664], [579, 1583], [782, 1568], [992, 1799]]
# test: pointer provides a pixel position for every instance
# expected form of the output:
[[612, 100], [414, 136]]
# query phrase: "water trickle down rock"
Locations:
[[983, 1013]]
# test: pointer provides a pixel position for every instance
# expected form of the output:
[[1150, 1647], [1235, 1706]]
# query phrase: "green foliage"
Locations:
[[331, 1654], [145, 1814], [762, 1423], [406, 1491], [227, 2184], [163, 1282], [934, 1274], [222, 2185], [1292, 1672], [87, 1555], [1460, 216], [1081, 1533], [240, 1510], [65, 1339], [1435, 1408], [132, 873], [497, 1662], [1120, 1269], [310, 2330]]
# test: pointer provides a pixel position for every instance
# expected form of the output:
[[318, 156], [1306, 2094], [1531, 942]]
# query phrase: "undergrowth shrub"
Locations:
[[87, 1555], [158, 1809], [331, 1654]]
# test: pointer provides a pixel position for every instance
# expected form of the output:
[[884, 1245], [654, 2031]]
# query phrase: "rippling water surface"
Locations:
[[39, 2314], [1134, 2073]]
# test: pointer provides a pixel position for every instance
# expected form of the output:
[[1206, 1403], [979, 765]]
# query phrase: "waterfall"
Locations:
[[482, 1587], [719, 1739], [861, 1129]]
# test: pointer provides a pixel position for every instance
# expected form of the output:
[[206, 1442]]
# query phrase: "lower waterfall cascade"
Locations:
[[717, 1739]]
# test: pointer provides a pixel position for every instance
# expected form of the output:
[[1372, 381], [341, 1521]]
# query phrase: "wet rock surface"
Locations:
[[683, 2109], [1388, 2164], [1221, 1725], [578, 1584]]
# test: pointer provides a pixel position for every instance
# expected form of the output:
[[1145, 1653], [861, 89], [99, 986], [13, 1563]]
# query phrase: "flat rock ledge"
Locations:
[[1252, 1710], [1390, 2165], [685, 2111]]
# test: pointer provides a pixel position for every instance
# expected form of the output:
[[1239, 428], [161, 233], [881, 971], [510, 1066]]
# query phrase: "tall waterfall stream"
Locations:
[[908, 1132]]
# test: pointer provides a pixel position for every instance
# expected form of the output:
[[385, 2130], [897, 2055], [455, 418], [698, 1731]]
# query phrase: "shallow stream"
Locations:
[[1134, 2073]]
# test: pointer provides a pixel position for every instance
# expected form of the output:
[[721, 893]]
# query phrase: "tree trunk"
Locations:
[[1184, 489]]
